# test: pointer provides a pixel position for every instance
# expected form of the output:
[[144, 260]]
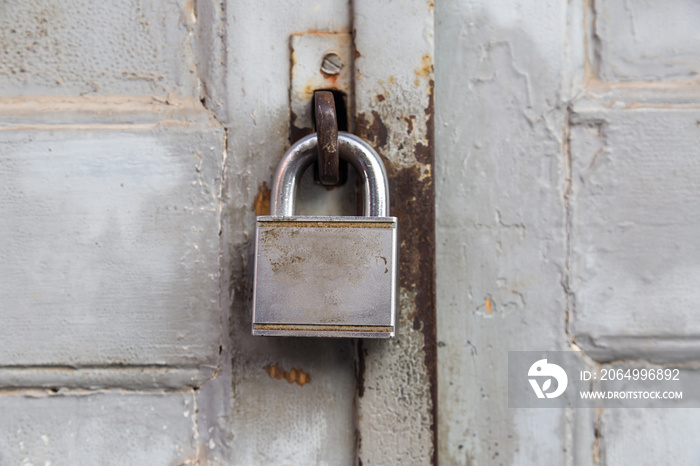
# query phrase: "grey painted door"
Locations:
[[567, 214], [137, 144]]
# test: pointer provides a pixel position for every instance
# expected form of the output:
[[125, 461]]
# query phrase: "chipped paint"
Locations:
[[395, 110]]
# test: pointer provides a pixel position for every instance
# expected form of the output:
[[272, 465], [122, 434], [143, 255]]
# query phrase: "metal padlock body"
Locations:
[[325, 276]]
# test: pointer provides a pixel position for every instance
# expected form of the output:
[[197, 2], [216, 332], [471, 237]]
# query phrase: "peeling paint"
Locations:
[[398, 125], [372, 129]]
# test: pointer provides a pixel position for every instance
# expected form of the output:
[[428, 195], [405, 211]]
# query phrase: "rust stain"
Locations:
[[424, 153], [409, 122], [381, 98], [425, 71], [261, 205], [372, 130], [426, 68], [297, 376], [488, 305], [417, 235], [308, 90], [330, 81], [413, 202]]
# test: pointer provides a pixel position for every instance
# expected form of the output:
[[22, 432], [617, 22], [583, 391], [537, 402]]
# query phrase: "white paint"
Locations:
[[534, 203], [642, 40], [90, 428], [635, 207], [500, 225], [259, 419], [111, 249], [669, 436], [123, 48]]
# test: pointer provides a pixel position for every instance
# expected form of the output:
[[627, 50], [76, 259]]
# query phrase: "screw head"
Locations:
[[331, 63]]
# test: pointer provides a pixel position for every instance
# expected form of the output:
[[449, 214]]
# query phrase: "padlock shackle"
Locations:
[[353, 149]]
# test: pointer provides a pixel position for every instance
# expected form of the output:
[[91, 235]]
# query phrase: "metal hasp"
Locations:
[[323, 276]]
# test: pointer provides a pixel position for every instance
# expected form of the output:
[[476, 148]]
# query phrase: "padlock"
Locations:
[[322, 276]]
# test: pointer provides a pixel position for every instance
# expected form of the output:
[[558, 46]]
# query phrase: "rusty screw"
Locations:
[[331, 63]]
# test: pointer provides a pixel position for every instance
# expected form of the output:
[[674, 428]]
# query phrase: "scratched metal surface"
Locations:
[[319, 275]]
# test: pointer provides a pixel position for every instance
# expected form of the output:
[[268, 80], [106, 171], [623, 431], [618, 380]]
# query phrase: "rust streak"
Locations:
[[424, 152], [413, 202], [360, 370], [425, 299]]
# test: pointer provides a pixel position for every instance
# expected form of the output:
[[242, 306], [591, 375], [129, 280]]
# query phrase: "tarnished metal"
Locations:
[[327, 276], [327, 131]]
